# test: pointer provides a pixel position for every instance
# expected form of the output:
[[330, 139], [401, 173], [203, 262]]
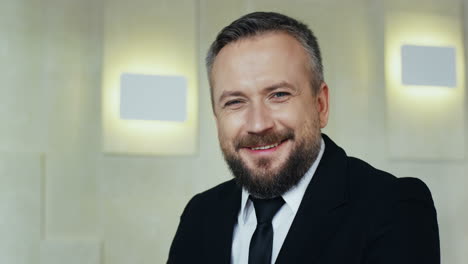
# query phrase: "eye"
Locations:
[[232, 103], [280, 94], [280, 97]]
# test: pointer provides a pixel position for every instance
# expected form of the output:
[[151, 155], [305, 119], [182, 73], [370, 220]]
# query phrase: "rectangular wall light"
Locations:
[[153, 97], [428, 66], [424, 55], [148, 108]]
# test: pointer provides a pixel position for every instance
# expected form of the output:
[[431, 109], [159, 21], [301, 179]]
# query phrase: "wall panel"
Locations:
[[21, 207]]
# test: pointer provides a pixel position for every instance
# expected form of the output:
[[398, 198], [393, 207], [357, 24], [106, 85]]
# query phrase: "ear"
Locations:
[[323, 104]]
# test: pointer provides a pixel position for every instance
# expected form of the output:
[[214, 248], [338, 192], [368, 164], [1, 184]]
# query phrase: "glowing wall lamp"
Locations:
[[428, 66], [153, 97], [424, 118], [153, 112]]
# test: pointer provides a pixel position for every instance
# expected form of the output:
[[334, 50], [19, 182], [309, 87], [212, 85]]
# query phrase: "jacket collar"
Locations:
[[219, 229], [321, 210]]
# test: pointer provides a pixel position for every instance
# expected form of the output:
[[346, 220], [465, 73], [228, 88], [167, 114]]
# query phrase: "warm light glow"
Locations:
[[422, 30], [148, 50], [423, 121]]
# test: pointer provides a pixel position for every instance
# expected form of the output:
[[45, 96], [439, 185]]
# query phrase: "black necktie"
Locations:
[[261, 243]]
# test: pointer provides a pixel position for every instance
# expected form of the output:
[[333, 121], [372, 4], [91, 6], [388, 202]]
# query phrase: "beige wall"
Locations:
[[62, 200]]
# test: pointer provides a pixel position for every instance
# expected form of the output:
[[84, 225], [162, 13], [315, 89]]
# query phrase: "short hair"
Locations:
[[258, 23]]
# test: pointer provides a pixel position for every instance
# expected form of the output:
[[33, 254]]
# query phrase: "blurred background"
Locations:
[[78, 184]]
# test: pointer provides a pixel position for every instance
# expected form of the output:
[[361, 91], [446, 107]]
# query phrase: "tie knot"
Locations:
[[265, 209]]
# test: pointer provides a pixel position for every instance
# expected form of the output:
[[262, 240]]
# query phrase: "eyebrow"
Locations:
[[278, 85], [266, 89]]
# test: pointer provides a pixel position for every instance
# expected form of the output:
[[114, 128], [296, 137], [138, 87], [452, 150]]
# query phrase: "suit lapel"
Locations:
[[219, 229], [322, 209]]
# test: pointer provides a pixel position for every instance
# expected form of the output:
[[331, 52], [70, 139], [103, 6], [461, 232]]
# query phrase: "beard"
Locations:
[[263, 182]]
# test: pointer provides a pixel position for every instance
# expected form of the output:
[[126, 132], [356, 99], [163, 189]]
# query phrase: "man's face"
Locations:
[[267, 116]]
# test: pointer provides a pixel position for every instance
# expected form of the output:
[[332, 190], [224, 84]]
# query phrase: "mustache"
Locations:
[[253, 140]]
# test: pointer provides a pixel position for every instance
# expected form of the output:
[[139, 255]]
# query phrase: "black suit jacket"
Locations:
[[351, 213]]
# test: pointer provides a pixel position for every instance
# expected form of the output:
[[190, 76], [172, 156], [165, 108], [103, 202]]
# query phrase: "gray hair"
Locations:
[[258, 23]]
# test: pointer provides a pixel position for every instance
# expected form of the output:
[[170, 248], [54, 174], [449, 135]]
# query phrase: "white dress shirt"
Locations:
[[247, 221]]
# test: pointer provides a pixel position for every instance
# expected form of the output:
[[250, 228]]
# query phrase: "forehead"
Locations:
[[259, 61]]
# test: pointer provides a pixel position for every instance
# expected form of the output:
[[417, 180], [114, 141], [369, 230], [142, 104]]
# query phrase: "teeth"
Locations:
[[266, 147]]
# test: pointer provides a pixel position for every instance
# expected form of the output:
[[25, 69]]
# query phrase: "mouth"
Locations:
[[265, 148]]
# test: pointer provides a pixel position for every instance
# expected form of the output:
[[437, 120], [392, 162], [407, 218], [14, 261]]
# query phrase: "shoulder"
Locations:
[[396, 213], [210, 198], [370, 183], [196, 222]]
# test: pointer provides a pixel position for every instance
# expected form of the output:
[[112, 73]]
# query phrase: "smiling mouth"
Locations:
[[266, 147]]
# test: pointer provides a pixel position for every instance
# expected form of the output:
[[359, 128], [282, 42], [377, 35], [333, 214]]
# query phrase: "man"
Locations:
[[296, 197]]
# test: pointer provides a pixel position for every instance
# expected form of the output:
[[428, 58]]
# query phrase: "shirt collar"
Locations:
[[292, 197]]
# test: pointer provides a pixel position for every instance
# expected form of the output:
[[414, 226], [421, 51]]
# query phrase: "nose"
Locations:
[[259, 119]]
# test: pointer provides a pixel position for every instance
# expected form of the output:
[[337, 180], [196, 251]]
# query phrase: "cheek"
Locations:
[[290, 116], [228, 128], [298, 117]]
